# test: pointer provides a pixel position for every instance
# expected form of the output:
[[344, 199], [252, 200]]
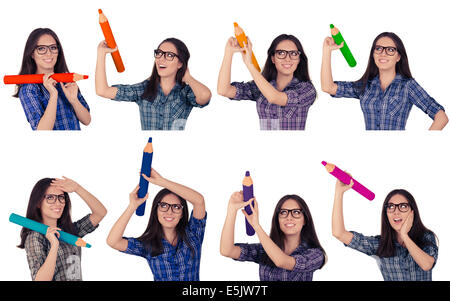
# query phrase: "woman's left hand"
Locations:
[[247, 54], [407, 225], [66, 184], [253, 218], [186, 76], [154, 177], [71, 91]]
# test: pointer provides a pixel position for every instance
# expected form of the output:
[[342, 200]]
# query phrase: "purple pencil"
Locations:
[[247, 188]]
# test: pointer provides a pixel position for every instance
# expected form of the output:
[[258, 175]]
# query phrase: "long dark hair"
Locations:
[[389, 235], [153, 234], [402, 66], [308, 234], [28, 63], [34, 212], [301, 73], [183, 56]]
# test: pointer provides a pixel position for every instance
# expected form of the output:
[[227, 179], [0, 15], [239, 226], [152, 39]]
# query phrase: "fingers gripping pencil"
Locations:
[[110, 41], [247, 188], [338, 39], [345, 178], [41, 228], [146, 169], [39, 78], [242, 38]]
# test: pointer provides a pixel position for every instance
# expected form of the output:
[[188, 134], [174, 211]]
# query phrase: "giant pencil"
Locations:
[[242, 38], [247, 188], [39, 78], [146, 169], [41, 228], [345, 178], [338, 39], [110, 41]]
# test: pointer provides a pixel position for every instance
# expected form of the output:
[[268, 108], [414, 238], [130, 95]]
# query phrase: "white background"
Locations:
[[223, 140]]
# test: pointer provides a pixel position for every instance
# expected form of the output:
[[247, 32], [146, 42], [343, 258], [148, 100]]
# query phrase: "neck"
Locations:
[[283, 80], [386, 77], [44, 70], [170, 235], [167, 83], [291, 242], [51, 222]]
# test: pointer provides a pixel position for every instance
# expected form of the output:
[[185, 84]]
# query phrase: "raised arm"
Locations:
[[326, 76], [201, 92], [277, 255], [101, 83], [115, 238], [190, 195], [224, 86], [338, 226]]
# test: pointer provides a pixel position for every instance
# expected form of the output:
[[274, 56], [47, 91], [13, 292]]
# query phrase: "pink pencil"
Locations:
[[345, 178]]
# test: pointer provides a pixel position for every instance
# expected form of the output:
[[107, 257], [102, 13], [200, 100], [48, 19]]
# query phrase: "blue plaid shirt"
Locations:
[[164, 112], [389, 110], [292, 116], [176, 263], [400, 267], [34, 99], [307, 260]]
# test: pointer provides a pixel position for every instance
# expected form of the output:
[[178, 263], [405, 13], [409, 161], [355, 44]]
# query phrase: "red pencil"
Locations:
[[39, 78]]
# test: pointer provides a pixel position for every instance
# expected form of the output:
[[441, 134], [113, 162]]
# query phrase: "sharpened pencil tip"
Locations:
[[100, 11]]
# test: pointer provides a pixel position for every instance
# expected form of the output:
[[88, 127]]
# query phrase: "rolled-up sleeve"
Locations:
[[431, 248], [303, 94], [197, 227], [189, 96], [132, 93], [365, 244], [30, 97], [346, 90], [135, 247], [250, 252], [36, 249], [419, 97], [246, 90], [84, 226], [310, 261]]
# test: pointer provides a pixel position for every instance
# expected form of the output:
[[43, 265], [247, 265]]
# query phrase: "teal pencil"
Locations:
[[41, 228]]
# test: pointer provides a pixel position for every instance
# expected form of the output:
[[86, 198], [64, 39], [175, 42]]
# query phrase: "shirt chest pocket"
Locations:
[[394, 105]]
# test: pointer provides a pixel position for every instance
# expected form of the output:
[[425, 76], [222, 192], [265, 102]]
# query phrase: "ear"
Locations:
[[179, 65], [273, 59], [399, 58]]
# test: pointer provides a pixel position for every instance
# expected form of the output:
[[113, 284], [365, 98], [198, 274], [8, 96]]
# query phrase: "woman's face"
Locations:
[[169, 215], [397, 211], [52, 206], [292, 222], [385, 58], [45, 54], [286, 62], [164, 65]]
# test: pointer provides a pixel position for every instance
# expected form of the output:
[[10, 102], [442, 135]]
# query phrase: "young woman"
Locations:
[[405, 250], [172, 242], [387, 90], [166, 99], [48, 257], [51, 105], [283, 91], [292, 252]]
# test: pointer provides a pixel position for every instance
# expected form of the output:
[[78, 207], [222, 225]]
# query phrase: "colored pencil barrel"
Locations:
[[110, 41], [146, 169], [338, 39], [39, 78], [242, 38], [345, 178], [41, 228], [247, 189]]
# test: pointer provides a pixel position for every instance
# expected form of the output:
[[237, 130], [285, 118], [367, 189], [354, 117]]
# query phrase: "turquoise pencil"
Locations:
[[41, 228]]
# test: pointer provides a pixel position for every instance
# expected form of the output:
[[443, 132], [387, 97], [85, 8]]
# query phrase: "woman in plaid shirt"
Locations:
[[172, 241], [292, 252], [49, 258], [50, 105], [387, 90], [405, 251]]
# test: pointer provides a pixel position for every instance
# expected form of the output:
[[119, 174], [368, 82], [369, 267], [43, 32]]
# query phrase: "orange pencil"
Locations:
[[110, 41], [242, 38], [39, 78]]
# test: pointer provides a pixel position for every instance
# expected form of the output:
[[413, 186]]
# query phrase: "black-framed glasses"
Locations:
[[168, 55], [164, 207], [388, 49], [402, 207], [296, 213], [282, 54], [51, 198], [43, 49]]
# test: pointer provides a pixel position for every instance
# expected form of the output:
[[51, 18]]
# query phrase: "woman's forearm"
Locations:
[[326, 76], [338, 226], [115, 237], [201, 92], [47, 270], [270, 93], [224, 86], [48, 119], [101, 83], [440, 121], [227, 247], [98, 210]]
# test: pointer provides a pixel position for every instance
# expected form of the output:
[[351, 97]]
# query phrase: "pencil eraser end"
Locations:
[[100, 11], [247, 174]]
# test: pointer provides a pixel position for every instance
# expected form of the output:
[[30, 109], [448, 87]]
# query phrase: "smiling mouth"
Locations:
[[397, 220], [169, 219], [289, 225]]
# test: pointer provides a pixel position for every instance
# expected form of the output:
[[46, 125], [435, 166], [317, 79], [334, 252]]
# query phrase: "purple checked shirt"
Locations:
[[307, 260], [292, 116]]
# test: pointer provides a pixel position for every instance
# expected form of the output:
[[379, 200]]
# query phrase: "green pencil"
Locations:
[[338, 39]]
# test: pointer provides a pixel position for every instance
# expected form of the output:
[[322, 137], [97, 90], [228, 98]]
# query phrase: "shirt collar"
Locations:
[[293, 82]]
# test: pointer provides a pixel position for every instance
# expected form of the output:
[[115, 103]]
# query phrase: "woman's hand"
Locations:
[[71, 91], [135, 201], [236, 201], [155, 177], [52, 235], [103, 48], [49, 84], [232, 46], [407, 225], [341, 187], [247, 53], [253, 219], [66, 184], [330, 45]]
